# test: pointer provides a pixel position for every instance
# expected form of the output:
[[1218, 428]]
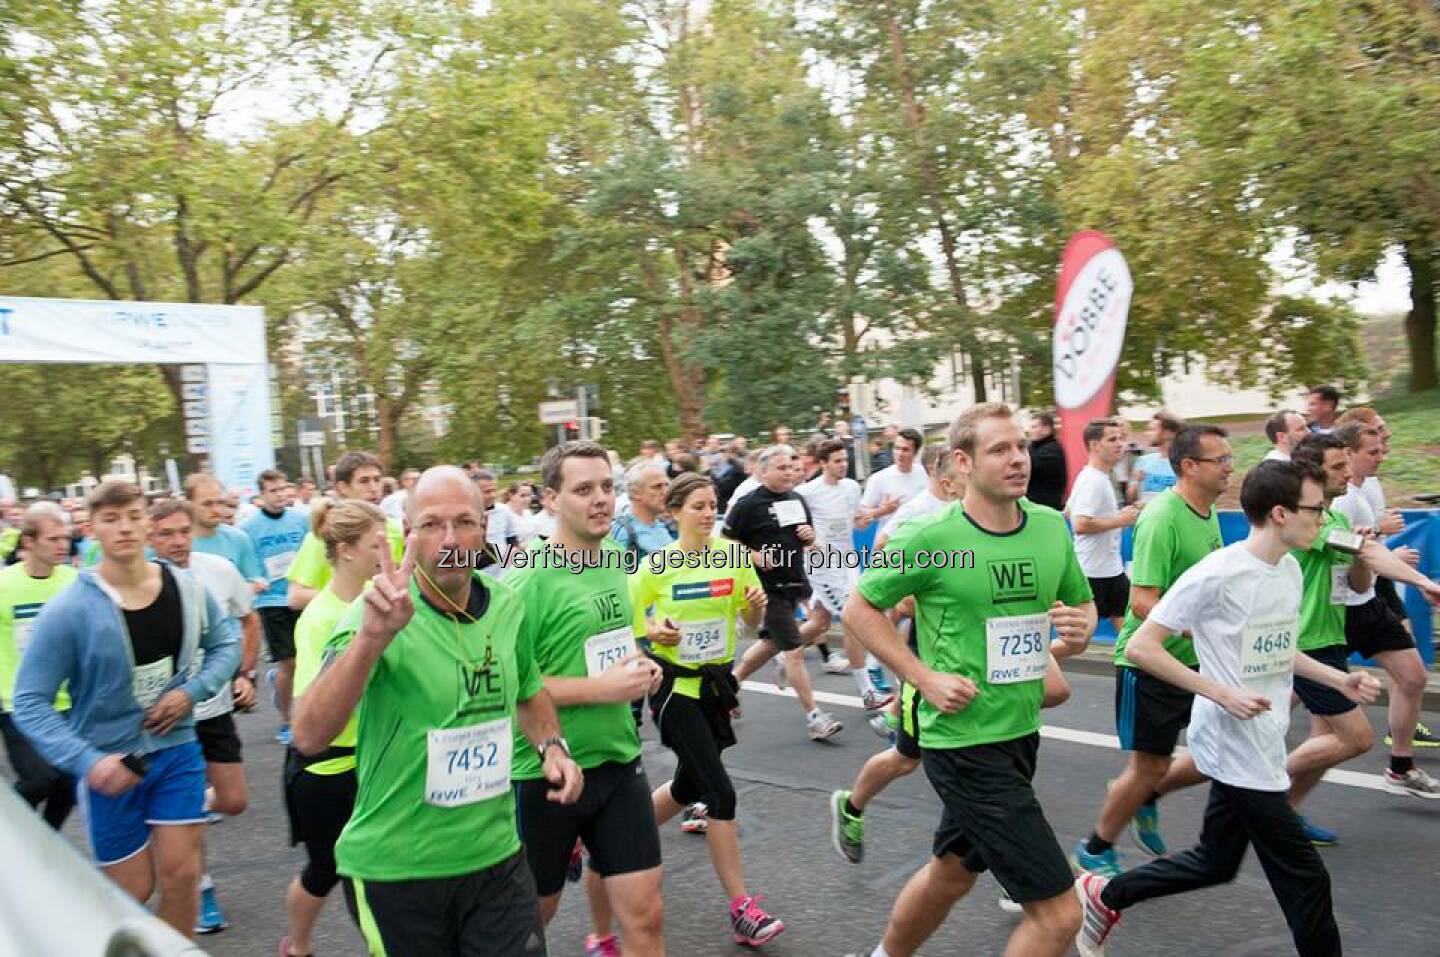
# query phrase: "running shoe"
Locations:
[[1145, 829], [282, 735], [273, 687], [876, 701], [211, 920], [847, 831], [1098, 920], [781, 681], [878, 681], [1424, 738], [1105, 864], [837, 664], [752, 926], [1317, 835], [695, 819], [213, 817], [822, 726], [575, 866], [881, 727], [1007, 903], [1415, 782], [608, 946]]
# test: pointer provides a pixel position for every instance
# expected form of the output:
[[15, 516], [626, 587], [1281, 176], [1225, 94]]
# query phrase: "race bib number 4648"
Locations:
[[1016, 648], [1268, 647]]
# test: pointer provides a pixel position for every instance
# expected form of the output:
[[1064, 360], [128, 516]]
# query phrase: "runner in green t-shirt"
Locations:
[[440, 668], [357, 477], [577, 605], [695, 591], [991, 577], [320, 790], [1176, 530], [41, 574], [1337, 560]]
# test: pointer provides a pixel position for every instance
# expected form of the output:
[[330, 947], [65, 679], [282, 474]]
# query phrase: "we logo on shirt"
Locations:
[[1013, 579]]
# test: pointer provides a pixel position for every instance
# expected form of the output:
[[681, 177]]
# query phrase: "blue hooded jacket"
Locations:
[[80, 638]]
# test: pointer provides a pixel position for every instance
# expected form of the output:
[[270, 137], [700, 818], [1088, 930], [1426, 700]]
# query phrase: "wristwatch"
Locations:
[[545, 745]]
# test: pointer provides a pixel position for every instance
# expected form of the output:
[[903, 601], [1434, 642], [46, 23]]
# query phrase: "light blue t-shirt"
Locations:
[[1158, 474], [276, 540], [647, 538], [233, 544]]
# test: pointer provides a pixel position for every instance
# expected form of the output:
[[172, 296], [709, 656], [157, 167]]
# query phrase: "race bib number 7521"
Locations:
[[605, 649]]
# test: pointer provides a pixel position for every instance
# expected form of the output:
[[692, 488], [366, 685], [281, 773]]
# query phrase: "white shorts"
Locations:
[[832, 588]]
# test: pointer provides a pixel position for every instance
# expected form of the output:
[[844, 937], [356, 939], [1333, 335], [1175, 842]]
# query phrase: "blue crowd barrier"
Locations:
[[1422, 533]]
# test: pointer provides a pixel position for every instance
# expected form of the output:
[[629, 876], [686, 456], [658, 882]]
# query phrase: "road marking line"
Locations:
[[1352, 779]]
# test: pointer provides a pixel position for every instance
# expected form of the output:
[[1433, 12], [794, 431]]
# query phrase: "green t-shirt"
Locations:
[[311, 569], [981, 600], [705, 600], [1322, 610], [580, 624], [432, 712], [1170, 536], [21, 598], [312, 632]]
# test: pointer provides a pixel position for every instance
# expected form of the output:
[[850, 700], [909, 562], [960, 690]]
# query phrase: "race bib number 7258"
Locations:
[[1016, 648]]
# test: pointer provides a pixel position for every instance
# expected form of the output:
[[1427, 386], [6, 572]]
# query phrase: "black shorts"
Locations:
[[1385, 588], [1112, 595], [490, 913], [219, 741], [1149, 713], [993, 820], [1372, 628], [907, 735], [614, 818], [279, 624], [319, 806], [1319, 699], [782, 629]]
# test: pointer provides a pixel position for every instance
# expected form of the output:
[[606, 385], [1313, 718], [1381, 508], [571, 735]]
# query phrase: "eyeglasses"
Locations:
[[1218, 459], [1317, 509]]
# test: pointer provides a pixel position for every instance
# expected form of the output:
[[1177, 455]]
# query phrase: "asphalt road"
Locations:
[[1385, 871]]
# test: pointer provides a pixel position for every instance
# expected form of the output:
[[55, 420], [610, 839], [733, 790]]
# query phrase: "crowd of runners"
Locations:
[[463, 674]]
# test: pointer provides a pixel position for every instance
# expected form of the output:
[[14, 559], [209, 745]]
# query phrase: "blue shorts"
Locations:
[[171, 792]]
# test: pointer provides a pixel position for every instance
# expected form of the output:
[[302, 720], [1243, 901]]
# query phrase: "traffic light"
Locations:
[[572, 430]]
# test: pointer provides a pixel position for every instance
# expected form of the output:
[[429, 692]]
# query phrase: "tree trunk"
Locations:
[[915, 118], [387, 413], [1420, 320]]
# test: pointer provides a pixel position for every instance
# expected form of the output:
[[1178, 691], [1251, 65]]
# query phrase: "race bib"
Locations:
[[147, 682], [1339, 584], [789, 512], [701, 641], [606, 648], [1016, 648], [1268, 647], [22, 635], [277, 566], [465, 765]]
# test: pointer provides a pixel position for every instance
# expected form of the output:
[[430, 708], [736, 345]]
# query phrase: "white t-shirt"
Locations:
[[543, 524], [1374, 494], [522, 525], [1356, 507], [890, 482], [1093, 496], [499, 526], [1236, 605], [926, 503], [393, 505], [234, 596], [833, 508], [1275, 455]]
